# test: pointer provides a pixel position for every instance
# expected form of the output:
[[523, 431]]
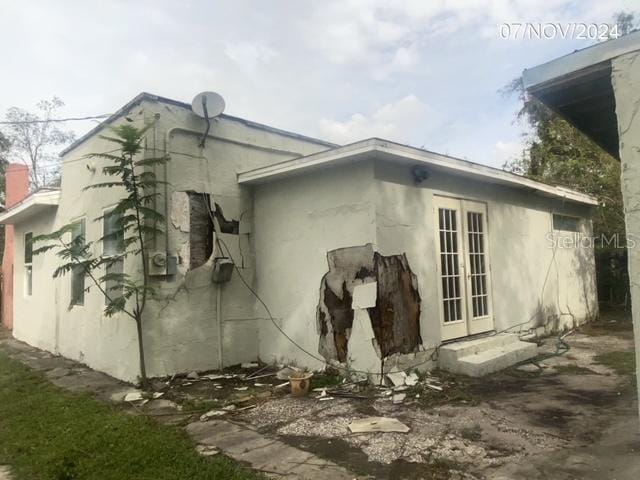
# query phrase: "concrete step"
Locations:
[[452, 352], [485, 355]]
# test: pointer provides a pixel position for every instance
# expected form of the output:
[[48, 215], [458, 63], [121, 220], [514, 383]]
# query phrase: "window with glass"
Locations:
[[566, 223], [113, 246]]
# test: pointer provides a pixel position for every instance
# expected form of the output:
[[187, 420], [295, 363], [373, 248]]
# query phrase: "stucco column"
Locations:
[[625, 78], [16, 189]]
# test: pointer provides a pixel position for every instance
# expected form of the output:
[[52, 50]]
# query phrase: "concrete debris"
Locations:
[[157, 394], [399, 398], [528, 367], [397, 379], [411, 379], [207, 450], [133, 396], [193, 376], [219, 376], [212, 413], [249, 365], [229, 408], [377, 424]]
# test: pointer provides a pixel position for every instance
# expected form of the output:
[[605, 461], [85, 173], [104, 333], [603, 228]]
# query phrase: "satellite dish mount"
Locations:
[[207, 105]]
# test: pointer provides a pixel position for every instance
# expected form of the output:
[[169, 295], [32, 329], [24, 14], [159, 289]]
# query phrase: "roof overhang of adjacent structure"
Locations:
[[33, 205], [578, 87], [375, 148]]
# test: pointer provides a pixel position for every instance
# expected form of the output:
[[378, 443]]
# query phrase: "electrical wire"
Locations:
[[55, 120]]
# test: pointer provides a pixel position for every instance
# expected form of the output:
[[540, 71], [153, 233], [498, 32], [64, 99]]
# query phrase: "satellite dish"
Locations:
[[208, 105]]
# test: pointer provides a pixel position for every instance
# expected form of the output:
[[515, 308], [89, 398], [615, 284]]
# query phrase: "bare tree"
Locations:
[[35, 139]]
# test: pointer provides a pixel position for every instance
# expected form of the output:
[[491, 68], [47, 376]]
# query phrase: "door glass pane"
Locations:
[[478, 273], [451, 295]]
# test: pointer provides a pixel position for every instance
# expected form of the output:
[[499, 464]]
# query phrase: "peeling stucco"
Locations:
[[383, 285]]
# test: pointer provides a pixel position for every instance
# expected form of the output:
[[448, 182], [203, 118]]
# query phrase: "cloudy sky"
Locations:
[[421, 72]]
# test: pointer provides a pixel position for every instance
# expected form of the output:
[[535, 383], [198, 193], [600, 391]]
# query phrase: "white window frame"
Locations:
[[28, 266], [72, 302], [578, 220]]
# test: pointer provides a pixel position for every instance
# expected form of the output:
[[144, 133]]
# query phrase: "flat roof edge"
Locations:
[[156, 98], [47, 198], [376, 145]]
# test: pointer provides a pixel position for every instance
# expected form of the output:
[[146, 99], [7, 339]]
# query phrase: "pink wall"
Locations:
[[17, 188]]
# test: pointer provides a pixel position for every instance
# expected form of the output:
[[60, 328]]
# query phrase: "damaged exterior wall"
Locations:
[[181, 327], [394, 316], [297, 221]]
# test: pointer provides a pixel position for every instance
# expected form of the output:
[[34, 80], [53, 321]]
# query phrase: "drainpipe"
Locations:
[[219, 322]]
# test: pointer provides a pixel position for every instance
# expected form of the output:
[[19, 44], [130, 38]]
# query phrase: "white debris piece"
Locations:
[[250, 365], [157, 394], [229, 408], [133, 396], [411, 379], [399, 398], [377, 424], [193, 376], [207, 450], [241, 389], [212, 413], [433, 387], [397, 378]]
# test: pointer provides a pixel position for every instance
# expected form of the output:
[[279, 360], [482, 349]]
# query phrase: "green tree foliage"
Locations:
[[558, 154], [137, 223]]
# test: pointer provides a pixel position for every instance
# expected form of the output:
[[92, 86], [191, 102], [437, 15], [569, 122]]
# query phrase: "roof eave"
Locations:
[[30, 206], [375, 148]]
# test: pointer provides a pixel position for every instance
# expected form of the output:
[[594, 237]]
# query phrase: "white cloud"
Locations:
[[507, 151], [393, 121], [249, 56]]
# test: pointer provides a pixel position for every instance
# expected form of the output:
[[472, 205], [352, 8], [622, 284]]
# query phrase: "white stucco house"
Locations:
[[369, 255]]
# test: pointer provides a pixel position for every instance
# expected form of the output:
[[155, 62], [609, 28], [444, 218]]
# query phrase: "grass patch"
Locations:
[[325, 380], [47, 433], [573, 370], [623, 363]]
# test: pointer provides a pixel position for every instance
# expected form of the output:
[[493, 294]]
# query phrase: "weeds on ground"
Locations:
[[623, 363], [573, 370], [51, 434]]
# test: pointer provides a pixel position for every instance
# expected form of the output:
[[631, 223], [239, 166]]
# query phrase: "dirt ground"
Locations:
[[569, 416], [572, 414]]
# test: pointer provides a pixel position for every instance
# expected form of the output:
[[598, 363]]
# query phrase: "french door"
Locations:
[[464, 275]]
